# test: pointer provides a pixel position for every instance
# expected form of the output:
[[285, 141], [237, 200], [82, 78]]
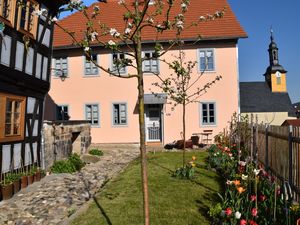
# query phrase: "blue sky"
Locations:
[[257, 16]]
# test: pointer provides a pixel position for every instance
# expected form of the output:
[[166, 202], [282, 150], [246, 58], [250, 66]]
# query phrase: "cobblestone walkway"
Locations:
[[55, 197]]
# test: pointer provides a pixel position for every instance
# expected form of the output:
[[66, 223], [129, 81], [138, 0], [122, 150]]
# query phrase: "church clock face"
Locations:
[[278, 74]]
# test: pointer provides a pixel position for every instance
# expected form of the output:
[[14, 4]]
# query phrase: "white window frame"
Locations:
[[92, 114], [114, 70], [150, 62], [206, 50], [90, 65], [202, 123], [119, 114], [56, 70]]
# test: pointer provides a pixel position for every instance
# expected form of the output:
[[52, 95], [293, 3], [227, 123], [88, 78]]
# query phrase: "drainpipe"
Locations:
[[43, 146]]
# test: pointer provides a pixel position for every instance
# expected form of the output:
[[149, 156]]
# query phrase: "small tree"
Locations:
[[183, 88], [136, 17]]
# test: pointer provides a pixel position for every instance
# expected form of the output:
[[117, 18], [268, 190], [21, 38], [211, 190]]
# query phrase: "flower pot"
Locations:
[[24, 182], [37, 176], [17, 186], [30, 179], [6, 191]]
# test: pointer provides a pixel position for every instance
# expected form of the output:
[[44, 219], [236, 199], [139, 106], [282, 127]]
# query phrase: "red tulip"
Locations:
[[262, 198], [228, 211], [253, 222], [252, 198], [254, 212], [243, 222]]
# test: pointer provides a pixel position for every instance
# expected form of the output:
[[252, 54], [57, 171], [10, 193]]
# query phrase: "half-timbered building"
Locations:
[[25, 57]]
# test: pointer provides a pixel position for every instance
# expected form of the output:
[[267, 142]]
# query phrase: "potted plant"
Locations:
[[37, 176], [24, 180], [16, 177], [30, 175], [6, 187]]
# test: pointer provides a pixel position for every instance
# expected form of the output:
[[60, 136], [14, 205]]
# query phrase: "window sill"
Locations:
[[12, 138], [6, 21], [208, 125], [149, 73], [91, 75], [207, 71], [119, 126], [25, 32]]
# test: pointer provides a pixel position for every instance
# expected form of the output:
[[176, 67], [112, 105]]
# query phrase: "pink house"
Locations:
[[110, 103]]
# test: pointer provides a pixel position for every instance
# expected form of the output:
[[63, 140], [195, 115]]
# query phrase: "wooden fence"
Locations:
[[278, 149]]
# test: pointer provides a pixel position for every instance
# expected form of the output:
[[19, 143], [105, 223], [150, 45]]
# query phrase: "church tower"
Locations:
[[275, 75]]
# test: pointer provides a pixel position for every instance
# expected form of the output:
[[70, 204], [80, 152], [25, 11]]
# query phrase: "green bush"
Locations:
[[63, 166], [70, 165], [96, 152], [76, 161]]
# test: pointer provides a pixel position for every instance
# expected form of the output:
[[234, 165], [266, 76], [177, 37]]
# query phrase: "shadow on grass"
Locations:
[[87, 186], [163, 167], [102, 211]]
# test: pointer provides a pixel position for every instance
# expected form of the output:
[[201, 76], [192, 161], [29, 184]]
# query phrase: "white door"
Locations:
[[153, 123]]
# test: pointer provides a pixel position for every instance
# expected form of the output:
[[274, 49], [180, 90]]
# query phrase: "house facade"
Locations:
[[25, 60], [110, 103], [268, 101]]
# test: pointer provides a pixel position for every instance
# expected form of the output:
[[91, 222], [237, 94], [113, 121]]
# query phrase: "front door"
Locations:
[[153, 122]]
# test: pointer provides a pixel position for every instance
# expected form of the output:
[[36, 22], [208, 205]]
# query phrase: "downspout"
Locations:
[[43, 146], [238, 77]]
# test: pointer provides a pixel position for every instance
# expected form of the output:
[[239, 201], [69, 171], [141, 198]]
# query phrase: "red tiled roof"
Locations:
[[111, 14], [295, 123]]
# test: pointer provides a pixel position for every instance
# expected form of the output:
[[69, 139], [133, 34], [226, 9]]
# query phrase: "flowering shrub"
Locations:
[[251, 196], [187, 171]]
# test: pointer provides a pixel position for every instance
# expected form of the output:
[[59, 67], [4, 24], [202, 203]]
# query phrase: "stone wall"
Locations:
[[61, 138]]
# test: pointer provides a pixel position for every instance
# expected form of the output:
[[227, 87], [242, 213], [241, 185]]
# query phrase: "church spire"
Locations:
[[275, 75], [273, 50]]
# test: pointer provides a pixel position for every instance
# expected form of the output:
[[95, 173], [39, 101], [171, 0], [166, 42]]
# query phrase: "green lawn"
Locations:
[[172, 201]]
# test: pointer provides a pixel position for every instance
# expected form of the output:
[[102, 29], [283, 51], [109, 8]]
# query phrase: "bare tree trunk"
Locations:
[[142, 127], [143, 150], [183, 131]]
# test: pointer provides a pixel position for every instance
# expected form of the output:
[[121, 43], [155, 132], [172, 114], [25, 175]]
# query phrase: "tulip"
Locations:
[[228, 211], [240, 189], [237, 215], [252, 198], [243, 222], [254, 212], [237, 182]]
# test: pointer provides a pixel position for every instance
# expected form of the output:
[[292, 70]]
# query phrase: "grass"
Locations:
[[172, 201]]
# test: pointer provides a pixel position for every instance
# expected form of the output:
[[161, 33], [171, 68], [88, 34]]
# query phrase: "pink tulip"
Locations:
[[254, 212]]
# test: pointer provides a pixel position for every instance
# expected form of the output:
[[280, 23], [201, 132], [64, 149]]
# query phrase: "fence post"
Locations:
[[290, 155], [267, 148], [251, 139], [256, 140]]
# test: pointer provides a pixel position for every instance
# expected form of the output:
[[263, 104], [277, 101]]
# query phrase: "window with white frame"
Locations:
[[208, 113], [117, 66], [206, 60], [62, 112], [92, 114], [89, 66], [119, 114], [150, 63], [60, 66]]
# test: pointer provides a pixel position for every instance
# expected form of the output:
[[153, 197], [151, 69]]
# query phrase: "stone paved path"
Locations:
[[55, 197]]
